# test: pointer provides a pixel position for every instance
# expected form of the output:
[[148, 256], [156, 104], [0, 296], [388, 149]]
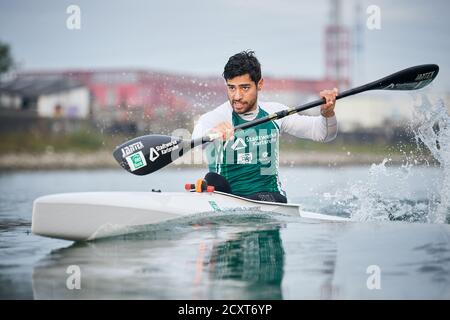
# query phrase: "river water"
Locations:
[[396, 246], [393, 249]]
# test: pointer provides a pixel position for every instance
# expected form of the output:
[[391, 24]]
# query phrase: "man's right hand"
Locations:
[[225, 129]]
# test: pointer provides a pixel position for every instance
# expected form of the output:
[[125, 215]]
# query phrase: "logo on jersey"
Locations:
[[244, 158], [239, 144]]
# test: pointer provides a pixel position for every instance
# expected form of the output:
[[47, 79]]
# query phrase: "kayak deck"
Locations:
[[94, 215]]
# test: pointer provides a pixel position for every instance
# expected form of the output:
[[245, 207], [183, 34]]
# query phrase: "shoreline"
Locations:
[[288, 158]]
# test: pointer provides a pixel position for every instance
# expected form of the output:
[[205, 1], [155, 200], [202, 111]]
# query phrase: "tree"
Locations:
[[6, 60]]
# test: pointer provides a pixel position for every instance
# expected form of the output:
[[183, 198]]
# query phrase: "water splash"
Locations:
[[374, 200], [433, 130]]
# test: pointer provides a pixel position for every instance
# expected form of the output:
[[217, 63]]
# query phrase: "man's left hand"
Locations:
[[327, 109]]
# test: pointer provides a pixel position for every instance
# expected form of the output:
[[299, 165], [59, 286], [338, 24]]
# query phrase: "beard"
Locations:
[[241, 107]]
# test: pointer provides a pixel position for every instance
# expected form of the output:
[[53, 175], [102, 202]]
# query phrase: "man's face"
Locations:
[[243, 93]]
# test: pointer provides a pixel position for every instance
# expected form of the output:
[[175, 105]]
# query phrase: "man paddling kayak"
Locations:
[[245, 163]]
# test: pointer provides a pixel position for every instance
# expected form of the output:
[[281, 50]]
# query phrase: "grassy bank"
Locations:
[[38, 143], [87, 140], [88, 149]]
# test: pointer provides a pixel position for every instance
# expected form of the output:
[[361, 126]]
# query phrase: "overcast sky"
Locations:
[[197, 37]]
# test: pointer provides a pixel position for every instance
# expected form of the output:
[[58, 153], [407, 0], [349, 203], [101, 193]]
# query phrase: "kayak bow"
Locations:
[[94, 215]]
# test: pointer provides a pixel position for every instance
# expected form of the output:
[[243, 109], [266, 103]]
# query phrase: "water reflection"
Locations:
[[239, 257], [171, 263], [254, 258]]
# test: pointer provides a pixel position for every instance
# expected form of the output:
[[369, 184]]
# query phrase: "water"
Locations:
[[397, 245], [432, 127], [245, 256]]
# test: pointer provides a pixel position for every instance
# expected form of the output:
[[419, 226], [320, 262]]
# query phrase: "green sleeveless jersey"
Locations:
[[249, 161]]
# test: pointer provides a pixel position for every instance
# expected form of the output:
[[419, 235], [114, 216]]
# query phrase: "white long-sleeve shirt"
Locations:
[[316, 128]]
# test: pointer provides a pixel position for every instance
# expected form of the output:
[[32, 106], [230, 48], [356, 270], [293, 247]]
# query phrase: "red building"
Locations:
[[141, 96]]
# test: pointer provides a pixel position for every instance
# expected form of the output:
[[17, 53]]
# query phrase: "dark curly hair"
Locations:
[[242, 63]]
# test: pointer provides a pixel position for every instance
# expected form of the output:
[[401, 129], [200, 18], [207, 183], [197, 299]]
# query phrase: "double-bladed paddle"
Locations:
[[149, 153]]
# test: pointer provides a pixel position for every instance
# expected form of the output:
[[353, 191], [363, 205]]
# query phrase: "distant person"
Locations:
[[245, 163]]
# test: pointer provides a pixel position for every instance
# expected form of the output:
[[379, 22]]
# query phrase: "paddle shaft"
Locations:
[[303, 107]]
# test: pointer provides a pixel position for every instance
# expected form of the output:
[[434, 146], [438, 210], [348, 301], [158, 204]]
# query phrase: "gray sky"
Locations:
[[197, 37]]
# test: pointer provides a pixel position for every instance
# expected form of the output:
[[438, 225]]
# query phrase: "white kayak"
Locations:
[[93, 215]]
